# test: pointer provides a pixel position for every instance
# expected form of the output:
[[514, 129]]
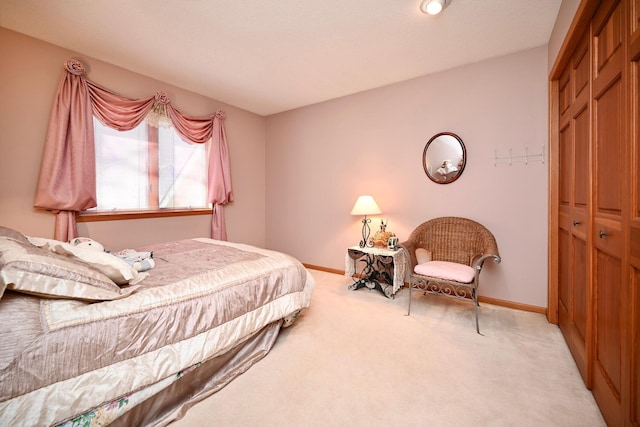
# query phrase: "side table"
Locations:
[[380, 268]]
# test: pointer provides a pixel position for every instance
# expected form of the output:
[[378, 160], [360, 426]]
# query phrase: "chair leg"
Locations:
[[409, 308], [476, 305]]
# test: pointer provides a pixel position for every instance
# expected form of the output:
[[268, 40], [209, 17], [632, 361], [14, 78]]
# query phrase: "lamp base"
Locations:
[[366, 232]]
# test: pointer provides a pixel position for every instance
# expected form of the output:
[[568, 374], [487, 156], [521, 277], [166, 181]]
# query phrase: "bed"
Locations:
[[86, 341]]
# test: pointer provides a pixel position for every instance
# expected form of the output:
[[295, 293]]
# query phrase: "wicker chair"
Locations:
[[446, 257]]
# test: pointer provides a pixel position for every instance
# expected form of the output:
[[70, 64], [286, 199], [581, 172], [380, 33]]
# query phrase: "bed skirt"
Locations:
[[197, 383]]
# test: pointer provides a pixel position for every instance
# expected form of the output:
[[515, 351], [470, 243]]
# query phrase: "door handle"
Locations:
[[576, 223], [603, 234]]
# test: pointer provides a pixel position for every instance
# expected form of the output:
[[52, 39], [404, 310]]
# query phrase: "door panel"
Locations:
[[582, 122], [580, 297], [581, 71], [607, 349], [608, 136], [564, 93], [609, 209], [608, 352], [608, 35], [564, 272], [566, 168]]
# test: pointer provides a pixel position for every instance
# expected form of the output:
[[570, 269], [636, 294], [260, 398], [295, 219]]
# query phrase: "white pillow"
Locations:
[[423, 255], [32, 270], [110, 265]]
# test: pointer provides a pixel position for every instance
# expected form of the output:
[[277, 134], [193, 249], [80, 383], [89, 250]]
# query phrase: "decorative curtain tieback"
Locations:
[[74, 66], [159, 116]]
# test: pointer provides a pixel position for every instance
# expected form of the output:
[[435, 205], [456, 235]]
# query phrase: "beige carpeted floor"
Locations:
[[355, 359]]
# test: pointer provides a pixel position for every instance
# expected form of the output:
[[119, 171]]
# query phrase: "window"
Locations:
[[148, 169]]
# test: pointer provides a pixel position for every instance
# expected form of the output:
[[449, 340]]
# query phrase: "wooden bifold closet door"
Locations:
[[574, 148], [610, 207], [594, 281]]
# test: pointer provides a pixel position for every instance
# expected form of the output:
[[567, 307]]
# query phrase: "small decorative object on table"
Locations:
[[392, 243], [382, 236]]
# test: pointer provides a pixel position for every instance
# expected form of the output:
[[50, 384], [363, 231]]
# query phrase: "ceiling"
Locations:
[[269, 56]]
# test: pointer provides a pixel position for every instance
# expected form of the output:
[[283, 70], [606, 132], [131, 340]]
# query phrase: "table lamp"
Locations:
[[365, 205]]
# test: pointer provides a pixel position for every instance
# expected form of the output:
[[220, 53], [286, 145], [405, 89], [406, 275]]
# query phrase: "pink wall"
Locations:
[[322, 157], [297, 174], [29, 74]]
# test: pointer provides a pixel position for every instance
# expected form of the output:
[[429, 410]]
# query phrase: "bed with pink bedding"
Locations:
[[85, 342]]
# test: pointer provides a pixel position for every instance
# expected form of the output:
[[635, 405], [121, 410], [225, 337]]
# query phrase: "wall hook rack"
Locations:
[[525, 158]]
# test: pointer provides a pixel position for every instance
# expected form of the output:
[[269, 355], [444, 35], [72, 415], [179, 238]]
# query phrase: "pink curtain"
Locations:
[[199, 131], [67, 173], [116, 111], [67, 182]]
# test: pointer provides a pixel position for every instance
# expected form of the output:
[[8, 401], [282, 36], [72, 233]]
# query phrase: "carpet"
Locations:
[[354, 358]]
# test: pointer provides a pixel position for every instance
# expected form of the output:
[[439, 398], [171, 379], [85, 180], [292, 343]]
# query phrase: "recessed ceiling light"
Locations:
[[433, 7]]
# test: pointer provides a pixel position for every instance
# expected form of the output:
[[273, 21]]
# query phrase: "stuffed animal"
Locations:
[[85, 242], [141, 261]]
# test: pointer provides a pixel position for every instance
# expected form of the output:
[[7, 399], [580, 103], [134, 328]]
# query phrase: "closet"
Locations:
[[594, 251]]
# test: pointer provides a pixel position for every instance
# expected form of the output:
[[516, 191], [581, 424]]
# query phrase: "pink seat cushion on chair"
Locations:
[[446, 270]]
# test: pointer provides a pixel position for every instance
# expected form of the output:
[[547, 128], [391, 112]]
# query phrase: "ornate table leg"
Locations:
[[369, 277]]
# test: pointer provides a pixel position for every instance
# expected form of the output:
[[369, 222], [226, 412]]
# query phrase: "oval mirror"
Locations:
[[444, 158]]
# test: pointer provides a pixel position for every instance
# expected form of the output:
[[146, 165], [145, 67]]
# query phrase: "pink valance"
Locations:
[[67, 182]]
